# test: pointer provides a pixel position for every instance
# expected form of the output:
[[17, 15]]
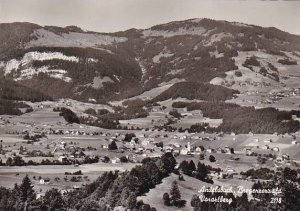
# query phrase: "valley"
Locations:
[[105, 120]]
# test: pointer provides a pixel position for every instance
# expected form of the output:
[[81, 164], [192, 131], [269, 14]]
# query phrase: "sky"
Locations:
[[117, 15]]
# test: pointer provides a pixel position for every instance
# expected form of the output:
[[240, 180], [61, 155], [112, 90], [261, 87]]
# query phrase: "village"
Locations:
[[74, 155]]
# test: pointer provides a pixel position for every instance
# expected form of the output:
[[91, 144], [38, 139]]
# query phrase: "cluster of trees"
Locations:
[[11, 90], [200, 172], [112, 145], [107, 123], [33, 138], [67, 114], [195, 90], [104, 64], [9, 107], [261, 173], [111, 189], [251, 61], [244, 119], [174, 198], [99, 112], [132, 109], [128, 137], [11, 93], [199, 127], [287, 61], [175, 114], [19, 161]]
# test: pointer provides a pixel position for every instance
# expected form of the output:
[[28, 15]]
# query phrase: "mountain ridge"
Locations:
[[192, 50]]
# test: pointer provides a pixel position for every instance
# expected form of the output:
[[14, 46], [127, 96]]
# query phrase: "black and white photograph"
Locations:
[[149, 105]]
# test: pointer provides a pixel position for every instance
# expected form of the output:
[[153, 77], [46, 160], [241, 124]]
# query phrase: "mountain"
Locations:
[[84, 65]]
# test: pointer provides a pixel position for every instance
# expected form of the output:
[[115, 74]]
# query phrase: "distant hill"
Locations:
[[70, 62]]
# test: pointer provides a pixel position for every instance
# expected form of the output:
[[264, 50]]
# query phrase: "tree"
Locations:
[[212, 158], [113, 145], [69, 115], [184, 166], [53, 200], [175, 114], [18, 161], [201, 157], [192, 166], [195, 201], [131, 201], [167, 163], [167, 200], [26, 189], [290, 174], [175, 192], [9, 161], [128, 137], [124, 196], [124, 159], [201, 172]]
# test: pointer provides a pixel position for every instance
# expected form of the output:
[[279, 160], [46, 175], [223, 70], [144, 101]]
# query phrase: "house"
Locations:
[[230, 170], [76, 187], [276, 149], [145, 142], [176, 151], [183, 137], [168, 149], [209, 150], [62, 158], [176, 145], [184, 151], [115, 160], [92, 100], [227, 150], [198, 149], [285, 157], [266, 147], [216, 175], [249, 152], [44, 181], [295, 143], [62, 145], [220, 150], [39, 195]]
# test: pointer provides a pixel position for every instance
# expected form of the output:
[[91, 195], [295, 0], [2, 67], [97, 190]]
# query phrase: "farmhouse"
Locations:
[[184, 151], [44, 181], [266, 147], [62, 158], [216, 175], [198, 149], [227, 150], [115, 160], [249, 152]]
